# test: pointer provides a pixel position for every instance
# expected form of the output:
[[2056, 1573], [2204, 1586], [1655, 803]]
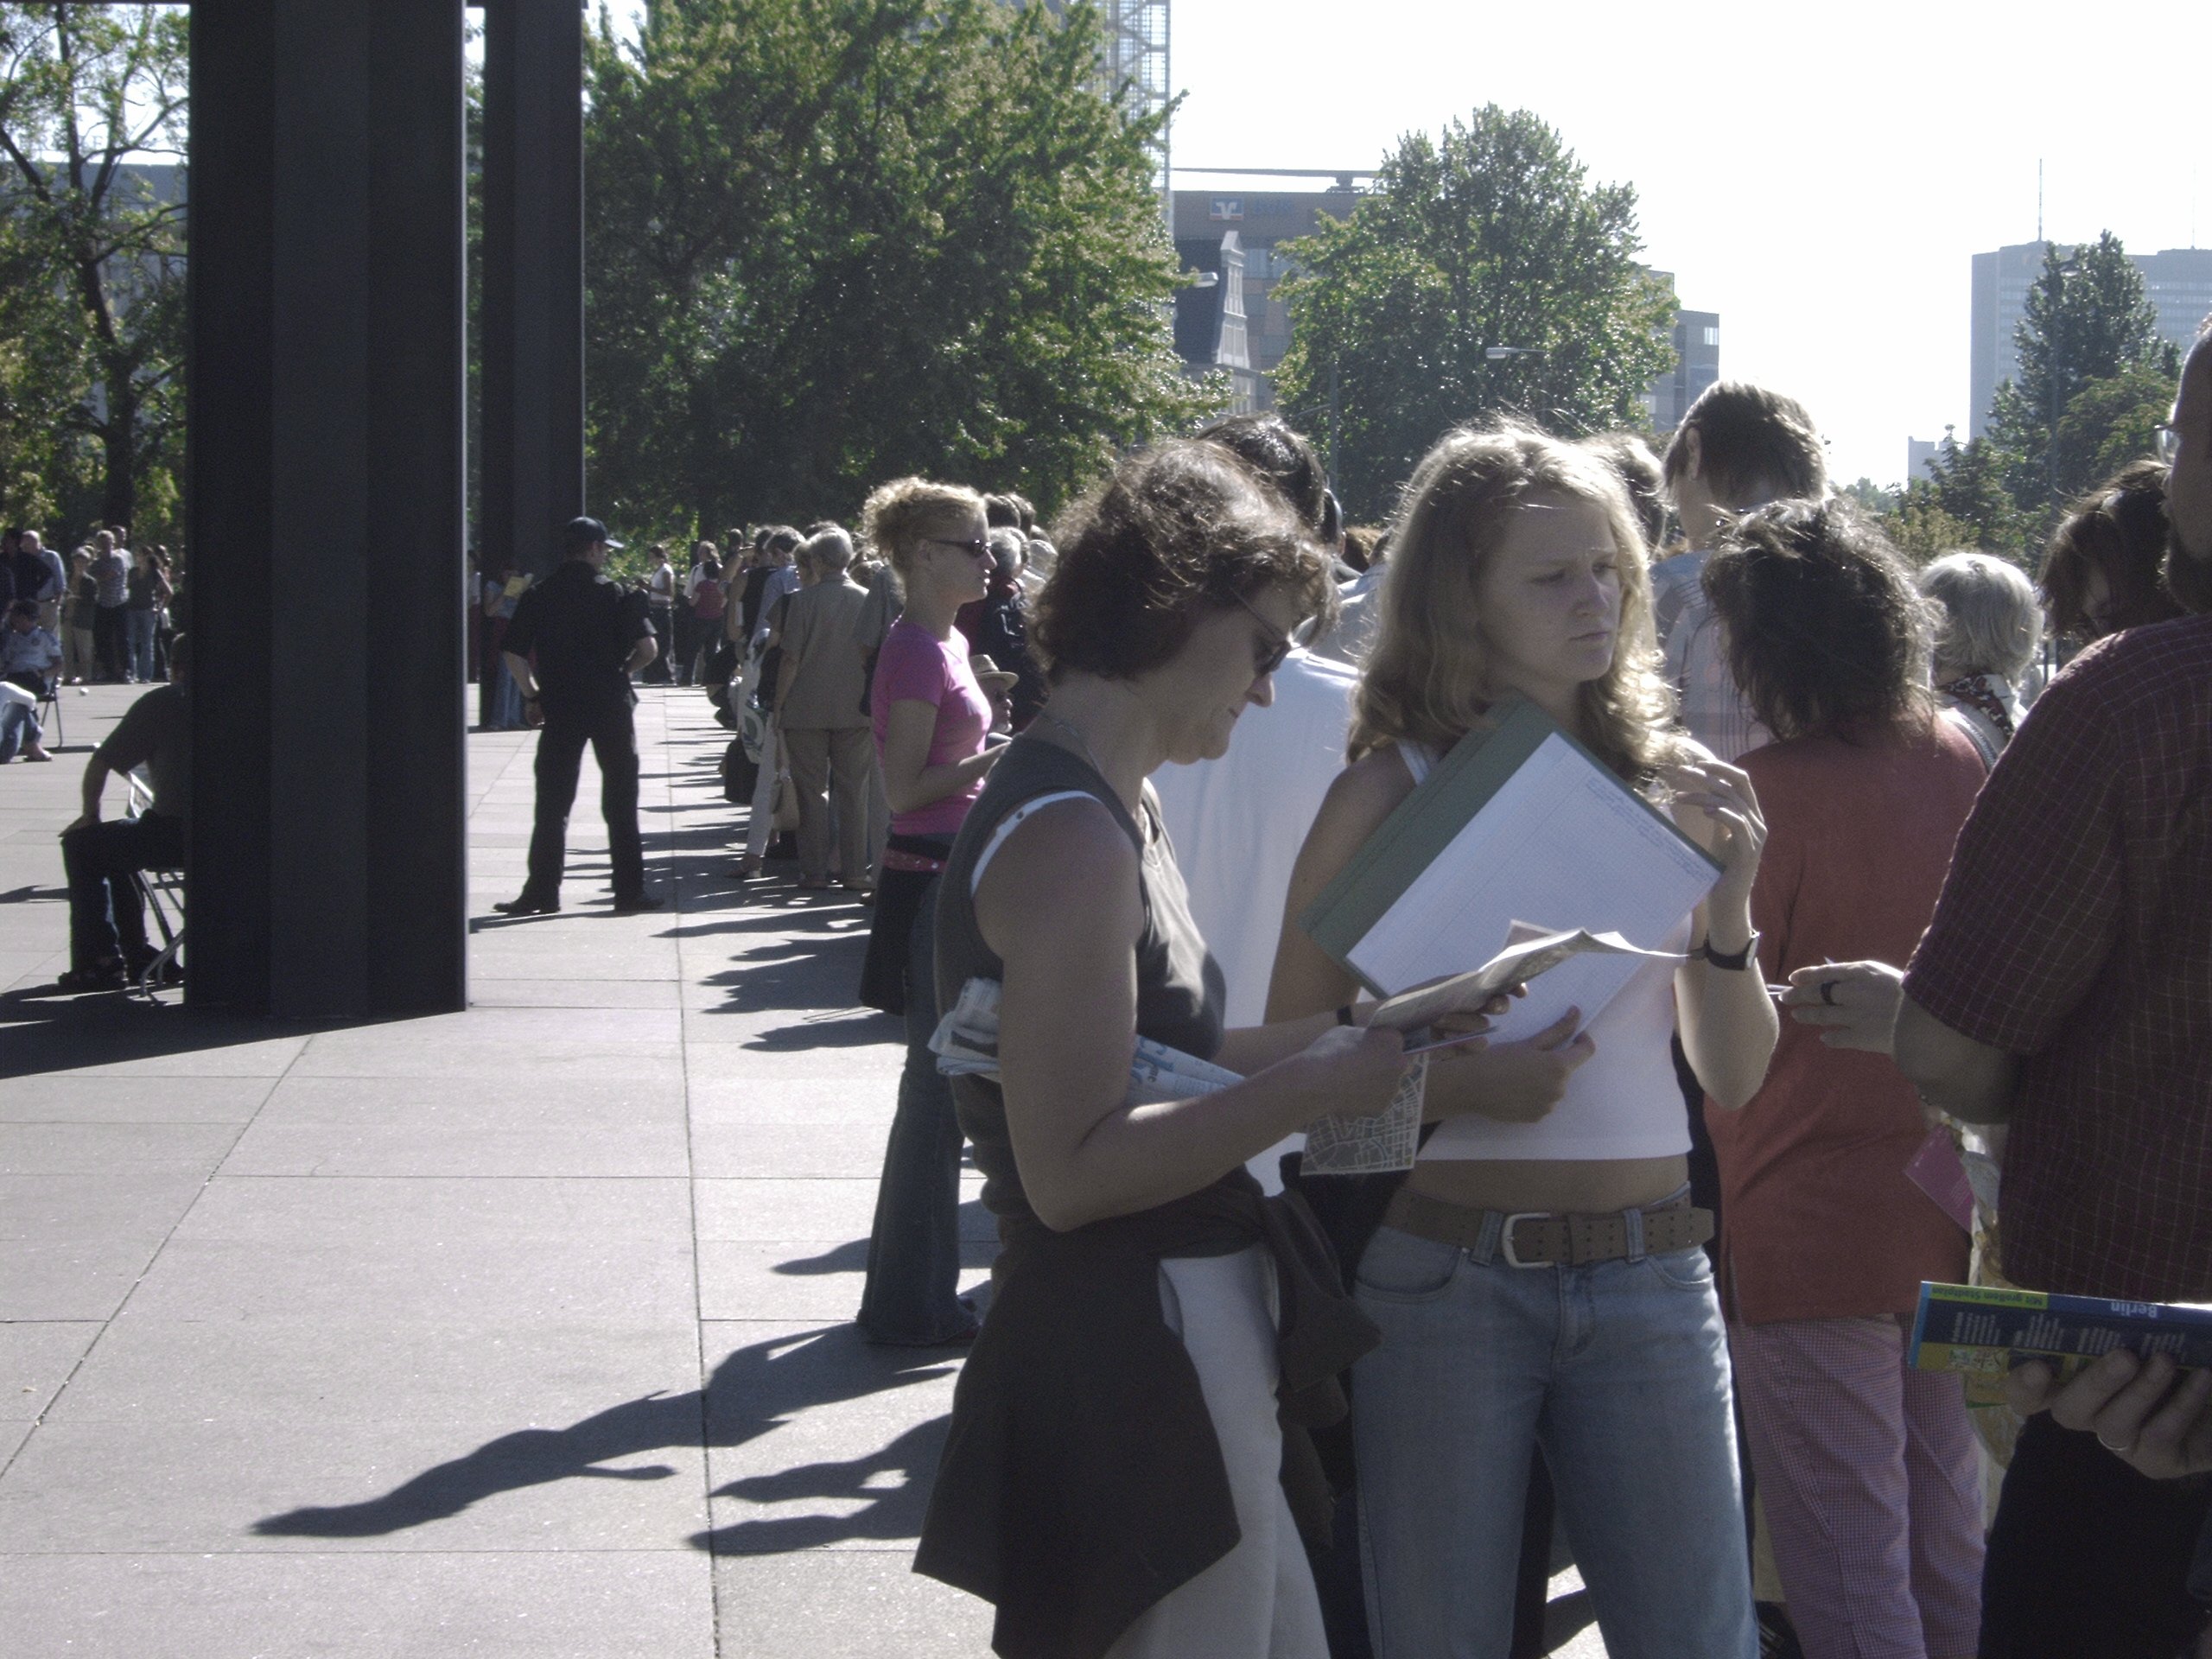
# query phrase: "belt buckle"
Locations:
[[1512, 1256]]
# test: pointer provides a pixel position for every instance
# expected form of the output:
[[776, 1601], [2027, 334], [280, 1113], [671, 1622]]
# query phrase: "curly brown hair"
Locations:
[[1176, 530], [1827, 632], [1425, 681], [2120, 528]]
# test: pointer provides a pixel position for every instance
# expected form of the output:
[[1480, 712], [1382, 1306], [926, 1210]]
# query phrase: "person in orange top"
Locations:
[[1866, 1468]]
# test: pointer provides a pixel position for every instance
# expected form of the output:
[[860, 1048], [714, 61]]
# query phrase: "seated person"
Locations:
[[28, 656], [107, 918]]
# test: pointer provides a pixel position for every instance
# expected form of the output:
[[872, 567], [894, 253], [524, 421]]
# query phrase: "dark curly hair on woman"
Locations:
[[2118, 531], [1827, 633], [1176, 530]]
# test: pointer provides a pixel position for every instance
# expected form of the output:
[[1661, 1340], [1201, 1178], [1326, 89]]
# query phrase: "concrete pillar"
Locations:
[[327, 874], [532, 318]]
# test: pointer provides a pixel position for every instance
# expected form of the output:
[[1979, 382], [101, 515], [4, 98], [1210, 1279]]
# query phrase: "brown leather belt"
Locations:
[[1533, 1238]]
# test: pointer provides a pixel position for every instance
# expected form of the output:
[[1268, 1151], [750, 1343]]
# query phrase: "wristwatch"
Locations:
[[1733, 961]]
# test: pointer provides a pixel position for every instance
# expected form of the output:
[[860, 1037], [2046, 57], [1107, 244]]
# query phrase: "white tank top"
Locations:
[[1623, 1101]]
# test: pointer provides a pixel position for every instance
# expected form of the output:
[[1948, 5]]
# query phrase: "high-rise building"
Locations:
[[1697, 364], [1135, 66], [1920, 455], [2177, 282]]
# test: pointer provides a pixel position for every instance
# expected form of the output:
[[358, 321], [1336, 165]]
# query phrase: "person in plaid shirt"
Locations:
[[2064, 989]]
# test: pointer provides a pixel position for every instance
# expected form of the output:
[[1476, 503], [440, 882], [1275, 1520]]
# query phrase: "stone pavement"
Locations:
[[520, 1331]]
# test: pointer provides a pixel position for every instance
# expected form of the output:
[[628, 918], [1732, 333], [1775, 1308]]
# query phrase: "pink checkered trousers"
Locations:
[[1869, 1474]]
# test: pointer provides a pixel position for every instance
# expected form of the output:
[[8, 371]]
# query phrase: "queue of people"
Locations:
[[1657, 1265]]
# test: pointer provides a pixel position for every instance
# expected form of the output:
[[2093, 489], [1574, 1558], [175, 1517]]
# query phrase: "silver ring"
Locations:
[[1828, 992]]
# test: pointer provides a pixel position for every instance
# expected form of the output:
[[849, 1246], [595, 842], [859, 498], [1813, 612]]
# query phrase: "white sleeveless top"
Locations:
[[1623, 1101]]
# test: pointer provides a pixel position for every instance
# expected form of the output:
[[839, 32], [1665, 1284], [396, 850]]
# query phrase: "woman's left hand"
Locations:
[[1721, 796]]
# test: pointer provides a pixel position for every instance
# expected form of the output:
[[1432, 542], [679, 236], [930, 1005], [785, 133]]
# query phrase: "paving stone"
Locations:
[[844, 1604], [574, 1605], [73, 1246], [36, 1359], [114, 1149], [48, 1098]]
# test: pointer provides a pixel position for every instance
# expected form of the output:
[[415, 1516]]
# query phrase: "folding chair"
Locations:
[[162, 894], [50, 699]]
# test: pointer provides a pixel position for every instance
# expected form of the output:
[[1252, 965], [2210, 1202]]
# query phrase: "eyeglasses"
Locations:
[[975, 547], [2168, 439], [1263, 666]]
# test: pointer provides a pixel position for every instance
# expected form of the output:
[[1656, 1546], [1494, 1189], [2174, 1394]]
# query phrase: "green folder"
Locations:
[[1427, 821]]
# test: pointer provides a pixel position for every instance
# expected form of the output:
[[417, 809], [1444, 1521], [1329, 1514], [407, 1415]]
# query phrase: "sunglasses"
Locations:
[[1264, 665], [974, 547]]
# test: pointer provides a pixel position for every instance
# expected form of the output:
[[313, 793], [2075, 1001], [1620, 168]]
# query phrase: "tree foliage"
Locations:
[[92, 318], [1488, 237], [2096, 380], [833, 241]]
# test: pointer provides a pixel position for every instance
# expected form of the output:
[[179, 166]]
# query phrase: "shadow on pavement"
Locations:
[[753, 1391], [48, 1029]]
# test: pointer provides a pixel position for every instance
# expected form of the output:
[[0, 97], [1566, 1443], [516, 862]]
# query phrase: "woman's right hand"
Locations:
[[1353, 1069], [1520, 1083]]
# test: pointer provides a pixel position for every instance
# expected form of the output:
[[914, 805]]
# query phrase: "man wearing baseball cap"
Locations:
[[588, 636]]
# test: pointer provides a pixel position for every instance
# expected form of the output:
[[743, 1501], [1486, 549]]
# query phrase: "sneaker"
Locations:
[[528, 905]]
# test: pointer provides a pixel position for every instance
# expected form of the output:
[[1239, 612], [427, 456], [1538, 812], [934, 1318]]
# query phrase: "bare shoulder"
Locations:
[[1068, 865], [1365, 792]]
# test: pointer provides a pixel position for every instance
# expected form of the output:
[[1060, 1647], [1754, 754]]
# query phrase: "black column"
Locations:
[[532, 320], [328, 870]]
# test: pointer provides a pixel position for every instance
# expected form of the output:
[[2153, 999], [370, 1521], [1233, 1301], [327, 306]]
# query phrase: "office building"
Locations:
[[1697, 364], [1920, 454], [1212, 330], [2177, 282]]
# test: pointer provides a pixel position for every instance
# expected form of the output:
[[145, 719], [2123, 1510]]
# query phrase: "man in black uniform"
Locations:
[[589, 637]]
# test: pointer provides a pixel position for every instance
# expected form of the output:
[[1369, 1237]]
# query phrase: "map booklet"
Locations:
[[1983, 1332]]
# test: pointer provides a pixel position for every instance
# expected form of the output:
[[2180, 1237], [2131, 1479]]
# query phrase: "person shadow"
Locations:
[[753, 1391]]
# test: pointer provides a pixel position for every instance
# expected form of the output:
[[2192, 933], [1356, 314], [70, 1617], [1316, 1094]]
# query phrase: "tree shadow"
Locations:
[[753, 1391]]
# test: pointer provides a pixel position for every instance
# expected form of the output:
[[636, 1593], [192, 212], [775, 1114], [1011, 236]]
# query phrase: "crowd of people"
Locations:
[[1653, 1272], [104, 618]]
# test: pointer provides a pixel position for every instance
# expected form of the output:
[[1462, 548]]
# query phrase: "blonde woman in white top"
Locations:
[[1538, 1278]]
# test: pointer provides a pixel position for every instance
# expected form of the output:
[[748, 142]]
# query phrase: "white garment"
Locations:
[[1623, 1101], [1237, 825], [1696, 650], [1258, 1601], [1361, 601]]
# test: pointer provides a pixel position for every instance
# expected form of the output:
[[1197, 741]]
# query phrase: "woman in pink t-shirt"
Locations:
[[932, 723]]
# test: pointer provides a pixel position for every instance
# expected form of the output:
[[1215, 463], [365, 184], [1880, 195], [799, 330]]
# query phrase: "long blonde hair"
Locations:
[[1427, 678]]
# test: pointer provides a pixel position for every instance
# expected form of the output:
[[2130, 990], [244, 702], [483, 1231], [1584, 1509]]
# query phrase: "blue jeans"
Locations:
[[139, 628], [912, 1291], [1619, 1370]]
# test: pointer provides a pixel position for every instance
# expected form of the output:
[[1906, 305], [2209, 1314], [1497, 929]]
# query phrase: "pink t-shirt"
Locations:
[[915, 667]]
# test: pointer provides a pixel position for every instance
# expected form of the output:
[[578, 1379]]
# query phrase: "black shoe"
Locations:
[[529, 905], [109, 977], [637, 902]]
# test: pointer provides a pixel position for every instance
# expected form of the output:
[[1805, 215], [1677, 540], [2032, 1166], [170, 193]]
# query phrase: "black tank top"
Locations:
[[1179, 988]]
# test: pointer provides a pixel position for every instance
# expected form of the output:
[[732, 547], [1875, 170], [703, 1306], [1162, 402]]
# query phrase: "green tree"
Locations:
[[85, 92], [833, 241], [1965, 502], [2091, 361], [1490, 239]]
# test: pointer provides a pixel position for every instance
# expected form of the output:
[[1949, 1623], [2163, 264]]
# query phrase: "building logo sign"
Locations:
[[1227, 209]]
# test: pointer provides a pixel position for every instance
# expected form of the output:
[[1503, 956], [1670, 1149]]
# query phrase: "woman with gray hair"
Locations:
[[1986, 636]]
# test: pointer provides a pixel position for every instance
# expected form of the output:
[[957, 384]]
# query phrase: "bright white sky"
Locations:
[[1818, 175]]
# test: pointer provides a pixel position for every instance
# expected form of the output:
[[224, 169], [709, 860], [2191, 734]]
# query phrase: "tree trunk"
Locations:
[[119, 441]]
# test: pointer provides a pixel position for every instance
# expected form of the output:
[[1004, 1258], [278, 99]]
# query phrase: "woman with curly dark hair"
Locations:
[[1867, 1468], [2100, 573], [1117, 1477]]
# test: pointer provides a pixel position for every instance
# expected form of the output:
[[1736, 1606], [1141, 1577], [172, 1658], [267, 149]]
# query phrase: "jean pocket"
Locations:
[[1690, 1269], [1401, 1267]]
